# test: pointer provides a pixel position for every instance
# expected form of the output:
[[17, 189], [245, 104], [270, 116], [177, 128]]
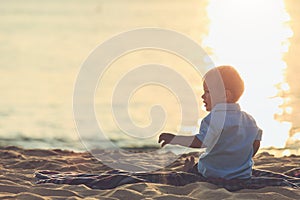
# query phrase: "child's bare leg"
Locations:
[[188, 164]]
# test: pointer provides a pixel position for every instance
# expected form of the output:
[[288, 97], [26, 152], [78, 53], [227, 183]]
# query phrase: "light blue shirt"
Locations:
[[228, 135]]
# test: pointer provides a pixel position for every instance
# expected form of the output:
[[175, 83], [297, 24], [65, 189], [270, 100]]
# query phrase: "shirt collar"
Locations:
[[226, 107]]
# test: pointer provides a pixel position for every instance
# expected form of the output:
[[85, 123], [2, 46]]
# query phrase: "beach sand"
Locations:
[[18, 166]]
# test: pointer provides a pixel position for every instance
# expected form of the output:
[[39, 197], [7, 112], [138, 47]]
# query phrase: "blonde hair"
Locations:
[[230, 80]]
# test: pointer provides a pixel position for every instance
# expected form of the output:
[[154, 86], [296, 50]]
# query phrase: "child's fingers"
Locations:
[[161, 137]]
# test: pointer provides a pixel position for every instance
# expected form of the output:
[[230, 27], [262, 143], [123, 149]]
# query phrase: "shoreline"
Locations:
[[276, 151]]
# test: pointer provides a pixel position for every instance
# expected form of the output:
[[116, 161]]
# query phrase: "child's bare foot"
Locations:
[[188, 164]]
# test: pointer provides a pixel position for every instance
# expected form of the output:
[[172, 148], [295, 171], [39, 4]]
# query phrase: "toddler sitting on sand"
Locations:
[[231, 139], [230, 136]]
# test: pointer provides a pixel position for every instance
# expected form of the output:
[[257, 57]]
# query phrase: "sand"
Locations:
[[18, 166]]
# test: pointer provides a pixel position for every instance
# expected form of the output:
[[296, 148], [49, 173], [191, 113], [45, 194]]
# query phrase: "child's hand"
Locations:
[[166, 138]]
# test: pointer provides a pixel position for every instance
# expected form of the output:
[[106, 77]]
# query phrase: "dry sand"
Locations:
[[18, 166]]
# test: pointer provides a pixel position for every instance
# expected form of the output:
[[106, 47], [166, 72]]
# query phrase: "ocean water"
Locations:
[[44, 43]]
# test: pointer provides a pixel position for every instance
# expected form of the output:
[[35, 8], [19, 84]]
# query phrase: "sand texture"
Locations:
[[18, 166]]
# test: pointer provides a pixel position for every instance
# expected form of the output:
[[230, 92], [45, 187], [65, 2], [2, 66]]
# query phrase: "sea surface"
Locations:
[[43, 45]]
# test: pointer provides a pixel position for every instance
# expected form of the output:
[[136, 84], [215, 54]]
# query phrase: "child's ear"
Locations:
[[229, 96]]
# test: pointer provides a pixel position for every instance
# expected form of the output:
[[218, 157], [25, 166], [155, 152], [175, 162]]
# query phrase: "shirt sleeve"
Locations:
[[259, 134], [203, 130]]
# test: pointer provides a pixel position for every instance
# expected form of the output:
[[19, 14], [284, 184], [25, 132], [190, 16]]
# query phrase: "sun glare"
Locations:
[[253, 37]]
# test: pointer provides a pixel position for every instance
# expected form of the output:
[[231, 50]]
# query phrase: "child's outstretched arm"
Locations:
[[186, 141], [256, 145]]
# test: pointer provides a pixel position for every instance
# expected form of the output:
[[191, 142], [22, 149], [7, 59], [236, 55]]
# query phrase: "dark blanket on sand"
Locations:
[[115, 178]]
